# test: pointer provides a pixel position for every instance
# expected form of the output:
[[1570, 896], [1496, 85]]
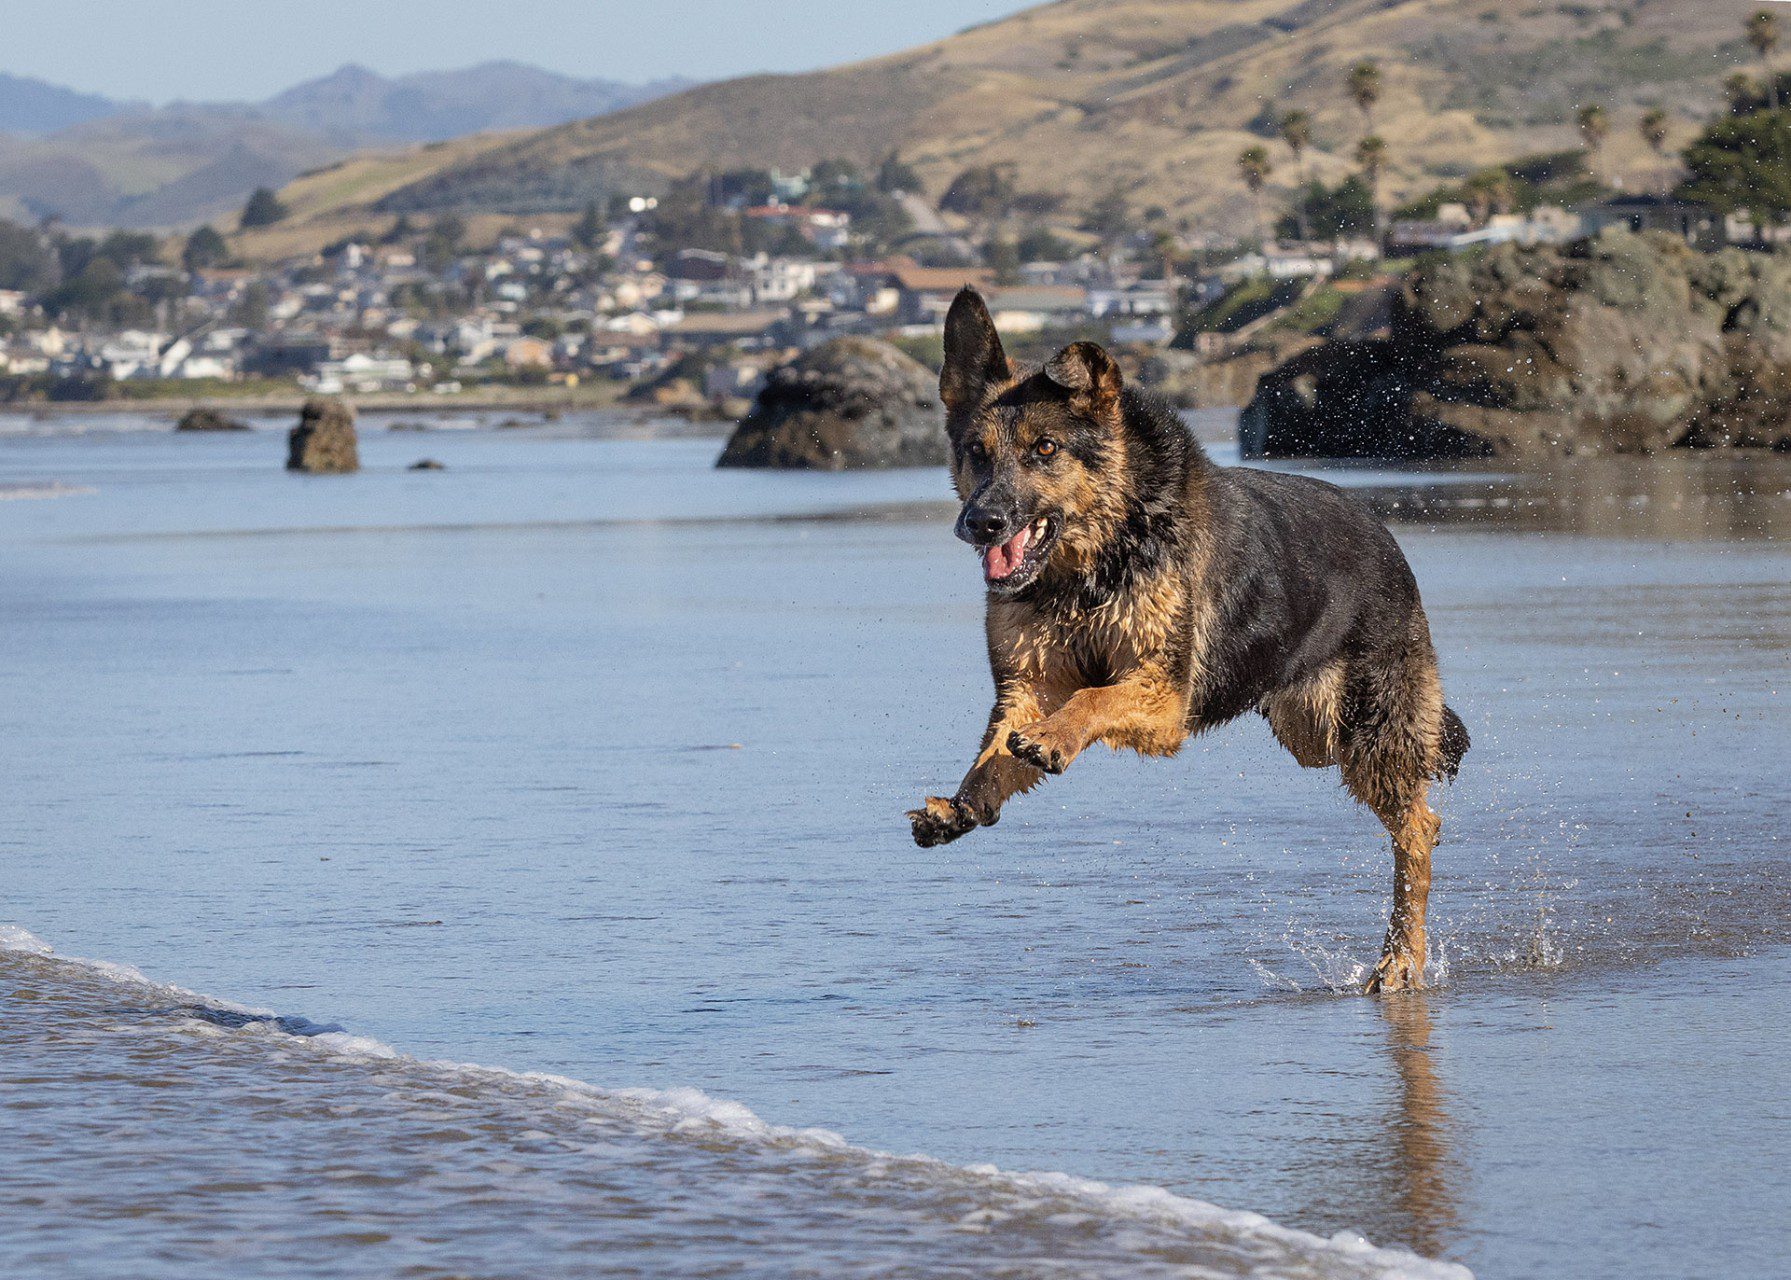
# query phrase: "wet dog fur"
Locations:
[[1139, 594]]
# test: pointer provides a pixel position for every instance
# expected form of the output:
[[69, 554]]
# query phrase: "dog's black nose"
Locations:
[[983, 526]]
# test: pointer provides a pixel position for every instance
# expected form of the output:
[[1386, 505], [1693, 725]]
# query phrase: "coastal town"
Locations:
[[687, 294]]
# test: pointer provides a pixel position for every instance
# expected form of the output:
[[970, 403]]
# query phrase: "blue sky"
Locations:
[[201, 50]]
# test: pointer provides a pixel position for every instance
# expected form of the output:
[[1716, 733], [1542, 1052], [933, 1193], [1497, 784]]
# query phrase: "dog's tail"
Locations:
[[1453, 746]]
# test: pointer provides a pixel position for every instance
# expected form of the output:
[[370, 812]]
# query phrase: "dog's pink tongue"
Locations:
[[999, 562]]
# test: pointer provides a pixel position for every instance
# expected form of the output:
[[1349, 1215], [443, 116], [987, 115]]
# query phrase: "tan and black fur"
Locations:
[[1154, 594]]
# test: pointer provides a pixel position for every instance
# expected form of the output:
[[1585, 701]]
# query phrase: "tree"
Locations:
[[1371, 154], [829, 176], [1110, 218], [204, 248], [1595, 127], [27, 262], [1329, 213], [401, 230], [88, 293], [1003, 256], [1364, 86], [1655, 126], [263, 210], [1296, 132], [1040, 244], [984, 191], [896, 176], [587, 232], [1743, 162], [442, 245], [1488, 192], [1742, 94], [1254, 167], [1763, 35]]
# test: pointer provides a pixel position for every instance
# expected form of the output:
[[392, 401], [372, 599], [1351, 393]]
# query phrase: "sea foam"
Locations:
[[689, 1111]]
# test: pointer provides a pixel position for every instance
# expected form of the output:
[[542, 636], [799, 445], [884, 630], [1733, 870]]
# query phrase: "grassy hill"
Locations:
[[1155, 97]]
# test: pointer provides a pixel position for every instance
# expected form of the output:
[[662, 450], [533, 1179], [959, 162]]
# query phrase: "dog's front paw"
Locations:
[[1037, 751], [940, 821]]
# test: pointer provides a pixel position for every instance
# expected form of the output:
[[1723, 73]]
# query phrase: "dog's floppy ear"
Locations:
[[1088, 373], [973, 354]]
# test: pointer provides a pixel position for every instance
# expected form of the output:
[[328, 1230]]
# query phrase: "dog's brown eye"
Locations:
[[1045, 448], [977, 453]]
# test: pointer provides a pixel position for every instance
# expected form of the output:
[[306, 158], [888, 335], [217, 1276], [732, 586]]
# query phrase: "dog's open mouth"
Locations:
[[1012, 564]]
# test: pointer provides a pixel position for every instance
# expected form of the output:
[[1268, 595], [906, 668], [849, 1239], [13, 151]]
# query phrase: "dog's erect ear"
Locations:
[[1088, 373], [973, 354]]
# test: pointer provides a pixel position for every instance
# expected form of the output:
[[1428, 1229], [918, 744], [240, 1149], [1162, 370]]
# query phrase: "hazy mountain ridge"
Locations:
[[93, 161], [32, 106]]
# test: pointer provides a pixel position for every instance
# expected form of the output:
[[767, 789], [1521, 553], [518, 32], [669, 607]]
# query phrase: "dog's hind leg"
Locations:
[[1414, 832], [1392, 731]]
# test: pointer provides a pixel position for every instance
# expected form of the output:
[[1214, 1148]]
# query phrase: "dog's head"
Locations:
[[1035, 457]]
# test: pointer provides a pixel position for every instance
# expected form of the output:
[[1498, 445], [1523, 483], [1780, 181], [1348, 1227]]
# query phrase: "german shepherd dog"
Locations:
[[1139, 594]]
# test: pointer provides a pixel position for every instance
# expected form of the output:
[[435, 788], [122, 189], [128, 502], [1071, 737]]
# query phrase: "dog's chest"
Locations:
[[1075, 647]]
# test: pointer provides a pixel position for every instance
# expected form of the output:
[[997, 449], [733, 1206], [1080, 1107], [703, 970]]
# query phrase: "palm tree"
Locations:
[[1763, 35], [1656, 126], [1254, 167], [1365, 90], [1296, 132], [1371, 154], [1595, 127]]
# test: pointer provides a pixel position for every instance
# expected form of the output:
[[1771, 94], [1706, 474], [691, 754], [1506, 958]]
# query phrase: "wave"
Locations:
[[1269, 1248]]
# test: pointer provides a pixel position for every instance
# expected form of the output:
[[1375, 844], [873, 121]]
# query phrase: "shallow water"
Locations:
[[580, 757]]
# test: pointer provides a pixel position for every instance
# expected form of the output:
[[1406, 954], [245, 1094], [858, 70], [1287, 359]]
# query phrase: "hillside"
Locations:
[[1156, 97]]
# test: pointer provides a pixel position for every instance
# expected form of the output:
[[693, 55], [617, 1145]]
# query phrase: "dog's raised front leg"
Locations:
[[993, 779], [1147, 711]]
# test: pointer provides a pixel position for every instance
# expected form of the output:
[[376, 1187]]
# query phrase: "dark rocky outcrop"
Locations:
[[204, 418], [324, 440], [1621, 344], [426, 464], [849, 403]]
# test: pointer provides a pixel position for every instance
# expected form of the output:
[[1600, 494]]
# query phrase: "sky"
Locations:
[[211, 50]]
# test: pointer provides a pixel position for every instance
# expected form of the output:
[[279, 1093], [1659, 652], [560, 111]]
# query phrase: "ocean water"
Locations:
[[583, 762]]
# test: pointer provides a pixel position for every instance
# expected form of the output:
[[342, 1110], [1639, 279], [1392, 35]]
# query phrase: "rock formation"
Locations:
[[204, 418], [324, 440], [849, 403], [1621, 344]]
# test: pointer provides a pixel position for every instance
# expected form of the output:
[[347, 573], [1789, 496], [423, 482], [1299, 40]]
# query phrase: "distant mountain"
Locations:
[[30, 106], [356, 105], [94, 162], [168, 167]]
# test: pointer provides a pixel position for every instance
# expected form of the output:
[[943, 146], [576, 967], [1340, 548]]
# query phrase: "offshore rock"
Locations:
[[849, 403], [324, 440], [1621, 344], [204, 418]]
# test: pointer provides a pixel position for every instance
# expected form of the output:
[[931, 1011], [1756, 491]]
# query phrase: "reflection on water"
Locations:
[[1683, 497], [1428, 1173]]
